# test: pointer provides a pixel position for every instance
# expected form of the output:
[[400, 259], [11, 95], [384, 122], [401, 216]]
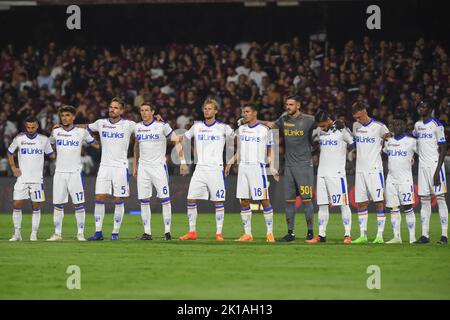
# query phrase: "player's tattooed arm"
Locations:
[[184, 169], [16, 171], [442, 153], [135, 157]]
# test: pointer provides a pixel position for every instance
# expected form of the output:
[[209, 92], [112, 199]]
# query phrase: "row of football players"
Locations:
[[207, 182]]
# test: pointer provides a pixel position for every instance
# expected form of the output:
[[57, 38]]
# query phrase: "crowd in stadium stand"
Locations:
[[391, 77]]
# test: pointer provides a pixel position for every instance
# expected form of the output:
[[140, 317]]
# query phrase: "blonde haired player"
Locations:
[[68, 178], [31, 147], [332, 188], [150, 168], [254, 144], [208, 179], [400, 150]]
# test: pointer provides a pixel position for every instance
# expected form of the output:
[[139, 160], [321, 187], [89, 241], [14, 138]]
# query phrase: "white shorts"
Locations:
[[65, 183], [207, 183], [332, 190], [426, 184], [252, 182], [114, 177], [399, 193], [148, 177], [24, 191], [369, 186]]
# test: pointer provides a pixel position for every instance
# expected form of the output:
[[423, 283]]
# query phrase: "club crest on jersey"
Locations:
[[365, 139], [250, 138], [67, 143], [31, 151], [114, 135]]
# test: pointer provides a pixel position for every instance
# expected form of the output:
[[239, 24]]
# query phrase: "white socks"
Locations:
[[146, 215], [425, 213], [246, 215], [381, 219], [220, 214], [99, 214], [192, 216], [80, 216], [268, 217], [35, 220], [17, 220], [346, 219], [58, 216], [323, 217], [119, 211], [443, 214], [396, 219], [167, 214], [411, 222], [362, 219]]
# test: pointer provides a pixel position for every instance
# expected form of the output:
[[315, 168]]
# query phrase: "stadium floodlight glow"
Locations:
[[255, 3], [287, 3]]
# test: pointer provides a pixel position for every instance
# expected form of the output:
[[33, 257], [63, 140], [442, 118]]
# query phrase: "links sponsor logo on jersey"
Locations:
[[293, 133], [425, 136], [67, 143], [207, 137], [147, 136], [31, 151], [328, 142], [250, 138], [113, 135], [396, 153], [359, 139]]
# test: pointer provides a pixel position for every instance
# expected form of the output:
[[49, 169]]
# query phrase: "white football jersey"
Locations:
[[31, 152], [152, 139], [400, 154], [209, 141], [253, 143], [115, 139], [68, 145], [429, 135], [369, 141], [333, 152]]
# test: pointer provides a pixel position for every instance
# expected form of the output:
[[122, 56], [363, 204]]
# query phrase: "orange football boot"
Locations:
[[219, 237], [347, 239], [191, 235], [245, 237]]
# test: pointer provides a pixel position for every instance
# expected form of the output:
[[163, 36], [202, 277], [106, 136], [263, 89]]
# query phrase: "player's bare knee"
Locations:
[[191, 201], [379, 205], [17, 204], [118, 199], [265, 203], [362, 205], [245, 203], [36, 205], [407, 207], [100, 197]]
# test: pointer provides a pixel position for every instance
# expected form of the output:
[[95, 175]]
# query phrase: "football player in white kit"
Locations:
[[255, 140], [150, 153], [334, 138], [369, 178], [400, 150], [208, 179], [432, 149], [31, 147], [68, 179], [112, 177]]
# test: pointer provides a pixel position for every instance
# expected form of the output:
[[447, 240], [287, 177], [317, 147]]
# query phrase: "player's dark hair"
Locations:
[[252, 106], [67, 108], [321, 115], [427, 103], [31, 120], [293, 97], [358, 106], [119, 101], [148, 103]]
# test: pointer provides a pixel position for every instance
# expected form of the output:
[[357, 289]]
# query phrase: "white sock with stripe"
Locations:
[[35, 220], [362, 219], [346, 213], [99, 214], [17, 220], [146, 216], [58, 216], [80, 216], [167, 214], [443, 214], [411, 222], [323, 217], [246, 216], [220, 215], [268, 217], [425, 213], [381, 220], [192, 216], [119, 211], [396, 219]]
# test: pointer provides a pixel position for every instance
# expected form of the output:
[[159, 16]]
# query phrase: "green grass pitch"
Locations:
[[205, 269]]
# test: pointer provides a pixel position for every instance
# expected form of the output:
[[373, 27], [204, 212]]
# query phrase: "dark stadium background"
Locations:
[[157, 26]]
